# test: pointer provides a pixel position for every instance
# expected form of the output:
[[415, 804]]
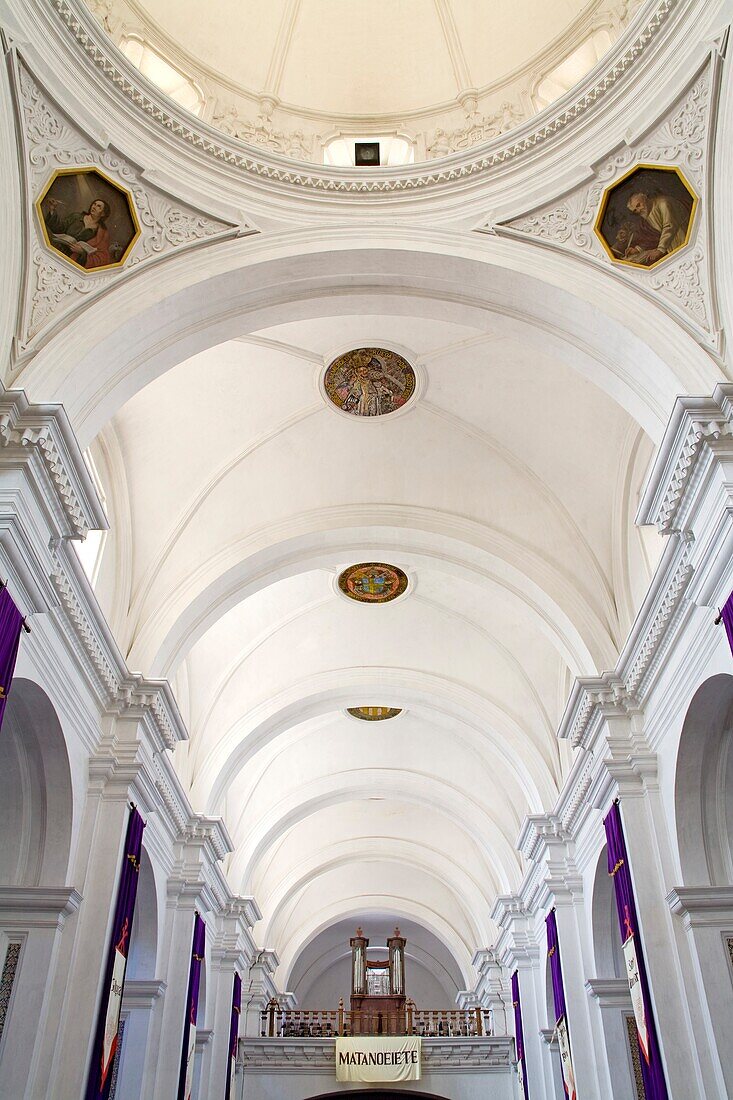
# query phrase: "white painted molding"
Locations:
[[37, 906], [310, 1056], [694, 422], [45, 430], [624, 58]]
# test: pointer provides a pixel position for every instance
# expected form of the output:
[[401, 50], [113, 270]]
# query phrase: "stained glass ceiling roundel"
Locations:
[[369, 382], [373, 582]]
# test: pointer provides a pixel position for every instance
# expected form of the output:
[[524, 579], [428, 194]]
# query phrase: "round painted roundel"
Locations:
[[373, 582], [369, 382]]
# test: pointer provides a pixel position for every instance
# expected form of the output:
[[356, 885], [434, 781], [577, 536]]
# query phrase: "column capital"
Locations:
[[702, 906], [37, 906]]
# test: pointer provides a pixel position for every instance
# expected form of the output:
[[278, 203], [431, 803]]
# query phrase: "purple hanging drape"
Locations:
[[727, 617], [652, 1070], [553, 953], [519, 1033], [188, 1050], [558, 996], [11, 624], [233, 1036], [108, 1022]]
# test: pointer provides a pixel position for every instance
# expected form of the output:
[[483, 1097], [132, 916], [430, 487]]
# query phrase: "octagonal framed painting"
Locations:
[[87, 219], [646, 215]]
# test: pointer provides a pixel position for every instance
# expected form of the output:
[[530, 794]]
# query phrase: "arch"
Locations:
[[36, 798], [180, 308], [378, 1094], [334, 690], [703, 794], [415, 787], [606, 940], [563, 613], [143, 954], [362, 908]]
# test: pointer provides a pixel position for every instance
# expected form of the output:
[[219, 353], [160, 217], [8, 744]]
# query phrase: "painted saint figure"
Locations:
[[664, 226], [369, 382], [370, 392], [81, 235]]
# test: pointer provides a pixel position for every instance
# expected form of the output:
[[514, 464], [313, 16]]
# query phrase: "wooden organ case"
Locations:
[[378, 995]]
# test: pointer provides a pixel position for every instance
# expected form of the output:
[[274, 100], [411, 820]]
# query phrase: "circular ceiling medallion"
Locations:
[[369, 382], [374, 714], [373, 582]]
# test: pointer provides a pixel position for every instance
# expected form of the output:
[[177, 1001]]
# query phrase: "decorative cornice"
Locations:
[[537, 833], [37, 906], [695, 422], [142, 993], [703, 906], [209, 831], [609, 992], [46, 431], [622, 691], [129, 83]]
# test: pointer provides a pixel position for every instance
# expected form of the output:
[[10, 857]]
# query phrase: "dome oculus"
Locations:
[[373, 582], [369, 382]]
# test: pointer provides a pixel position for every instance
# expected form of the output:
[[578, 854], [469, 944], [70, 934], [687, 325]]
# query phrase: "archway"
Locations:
[[704, 786], [36, 822], [610, 986]]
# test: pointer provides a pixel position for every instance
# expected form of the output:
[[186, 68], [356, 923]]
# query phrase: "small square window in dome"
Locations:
[[366, 154]]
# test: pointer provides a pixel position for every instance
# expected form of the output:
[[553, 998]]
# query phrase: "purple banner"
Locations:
[[519, 1035], [652, 1070], [727, 617], [188, 1050], [561, 1018], [233, 1036], [553, 954], [11, 624], [108, 1022]]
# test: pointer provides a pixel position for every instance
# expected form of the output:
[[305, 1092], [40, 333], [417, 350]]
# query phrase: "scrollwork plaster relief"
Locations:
[[685, 281], [48, 141]]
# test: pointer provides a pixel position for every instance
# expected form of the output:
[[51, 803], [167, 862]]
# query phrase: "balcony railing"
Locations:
[[297, 1023]]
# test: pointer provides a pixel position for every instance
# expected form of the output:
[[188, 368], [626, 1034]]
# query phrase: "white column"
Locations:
[[681, 1032], [232, 952], [521, 952], [33, 918], [138, 1004], [706, 914], [75, 996]]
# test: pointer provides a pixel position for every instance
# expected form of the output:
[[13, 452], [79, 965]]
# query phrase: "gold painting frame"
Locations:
[[613, 188], [123, 193]]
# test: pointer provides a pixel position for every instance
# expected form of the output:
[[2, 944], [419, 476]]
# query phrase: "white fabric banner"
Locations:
[[190, 1061], [568, 1074], [637, 997], [114, 1007], [378, 1058]]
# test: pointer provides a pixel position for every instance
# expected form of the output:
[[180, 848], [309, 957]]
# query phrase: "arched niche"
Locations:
[[36, 801], [142, 958], [704, 786], [380, 1094], [606, 939]]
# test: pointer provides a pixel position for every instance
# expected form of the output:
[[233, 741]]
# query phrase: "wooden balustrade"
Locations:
[[294, 1023]]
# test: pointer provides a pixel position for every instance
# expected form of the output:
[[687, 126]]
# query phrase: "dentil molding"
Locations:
[[626, 56]]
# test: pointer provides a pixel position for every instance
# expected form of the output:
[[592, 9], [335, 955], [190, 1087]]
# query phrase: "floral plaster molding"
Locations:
[[685, 282], [92, 39], [54, 292]]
